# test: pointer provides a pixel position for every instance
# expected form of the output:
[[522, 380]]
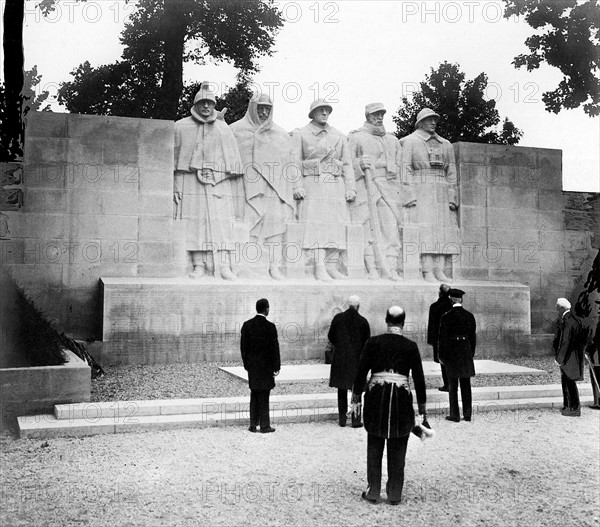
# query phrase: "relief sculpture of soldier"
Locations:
[[325, 185], [206, 183], [429, 166], [265, 149], [380, 193]]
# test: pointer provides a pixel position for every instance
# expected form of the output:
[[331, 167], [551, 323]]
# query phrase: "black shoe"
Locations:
[[594, 406], [467, 418], [357, 424], [394, 502], [453, 419], [252, 429], [443, 389], [370, 500], [342, 421], [267, 430]]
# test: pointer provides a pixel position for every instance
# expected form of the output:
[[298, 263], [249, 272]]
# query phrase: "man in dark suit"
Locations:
[[260, 354], [442, 305], [457, 343], [348, 333], [568, 347]]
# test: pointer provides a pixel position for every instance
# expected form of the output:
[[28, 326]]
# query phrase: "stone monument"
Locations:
[[429, 167], [269, 175], [208, 171]]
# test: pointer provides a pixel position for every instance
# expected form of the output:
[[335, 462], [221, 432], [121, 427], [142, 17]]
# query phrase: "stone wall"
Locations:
[[518, 225], [97, 201]]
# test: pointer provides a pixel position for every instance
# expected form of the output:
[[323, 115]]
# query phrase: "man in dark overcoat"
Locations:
[[568, 347], [442, 305], [592, 352], [348, 333], [260, 354], [388, 414], [457, 341]]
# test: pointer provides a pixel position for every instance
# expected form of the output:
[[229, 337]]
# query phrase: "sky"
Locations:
[[352, 53]]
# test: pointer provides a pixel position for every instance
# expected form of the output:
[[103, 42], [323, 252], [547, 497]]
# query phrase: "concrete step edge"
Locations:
[[124, 409], [46, 425]]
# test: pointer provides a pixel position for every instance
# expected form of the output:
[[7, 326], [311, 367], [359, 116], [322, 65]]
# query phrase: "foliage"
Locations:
[[569, 41], [11, 136], [465, 113], [159, 38]]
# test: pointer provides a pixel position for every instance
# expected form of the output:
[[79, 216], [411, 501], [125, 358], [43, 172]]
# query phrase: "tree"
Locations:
[[11, 130], [11, 133], [570, 41], [465, 114], [159, 38]]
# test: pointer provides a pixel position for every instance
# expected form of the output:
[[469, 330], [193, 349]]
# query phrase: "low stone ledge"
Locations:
[[38, 389]]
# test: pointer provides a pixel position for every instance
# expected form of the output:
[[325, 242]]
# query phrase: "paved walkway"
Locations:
[[319, 372]]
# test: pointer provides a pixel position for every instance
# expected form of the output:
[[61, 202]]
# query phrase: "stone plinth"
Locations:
[[39, 388], [166, 320]]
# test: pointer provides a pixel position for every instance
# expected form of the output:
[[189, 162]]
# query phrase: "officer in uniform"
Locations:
[[456, 349]]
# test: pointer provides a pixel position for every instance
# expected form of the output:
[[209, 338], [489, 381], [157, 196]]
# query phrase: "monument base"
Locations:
[[169, 320]]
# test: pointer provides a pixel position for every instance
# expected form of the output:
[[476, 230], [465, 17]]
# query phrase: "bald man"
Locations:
[[348, 333], [388, 414]]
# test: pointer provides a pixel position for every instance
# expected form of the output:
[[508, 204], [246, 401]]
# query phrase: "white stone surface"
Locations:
[[318, 372]]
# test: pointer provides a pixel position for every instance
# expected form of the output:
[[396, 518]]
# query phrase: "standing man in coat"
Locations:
[[429, 166], [266, 152], [260, 354], [569, 356], [207, 184], [592, 352], [325, 186], [389, 415], [442, 305], [348, 333], [456, 350], [380, 194]]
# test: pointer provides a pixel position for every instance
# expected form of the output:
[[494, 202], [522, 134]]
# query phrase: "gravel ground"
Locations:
[[506, 469], [127, 383]]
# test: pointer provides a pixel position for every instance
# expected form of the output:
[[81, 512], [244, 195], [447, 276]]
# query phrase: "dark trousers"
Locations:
[[342, 402], [570, 392], [259, 408], [465, 395], [595, 380], [396, 455]]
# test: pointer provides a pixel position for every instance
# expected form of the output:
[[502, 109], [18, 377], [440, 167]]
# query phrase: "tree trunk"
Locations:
[[174, 30], [12, 129]]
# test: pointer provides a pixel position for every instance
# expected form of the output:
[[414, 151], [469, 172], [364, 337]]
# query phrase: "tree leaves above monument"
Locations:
[[466, 114], [570, 41], [160, 36]]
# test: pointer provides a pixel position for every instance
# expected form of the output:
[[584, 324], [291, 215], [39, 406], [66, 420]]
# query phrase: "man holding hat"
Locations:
[[377, 160], [266, 152], [207, 182], [325, 184], [429, 166], [457, 341]]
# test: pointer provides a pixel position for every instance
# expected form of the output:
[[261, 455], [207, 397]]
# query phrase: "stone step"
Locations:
[[126, 409], [125, 416]]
